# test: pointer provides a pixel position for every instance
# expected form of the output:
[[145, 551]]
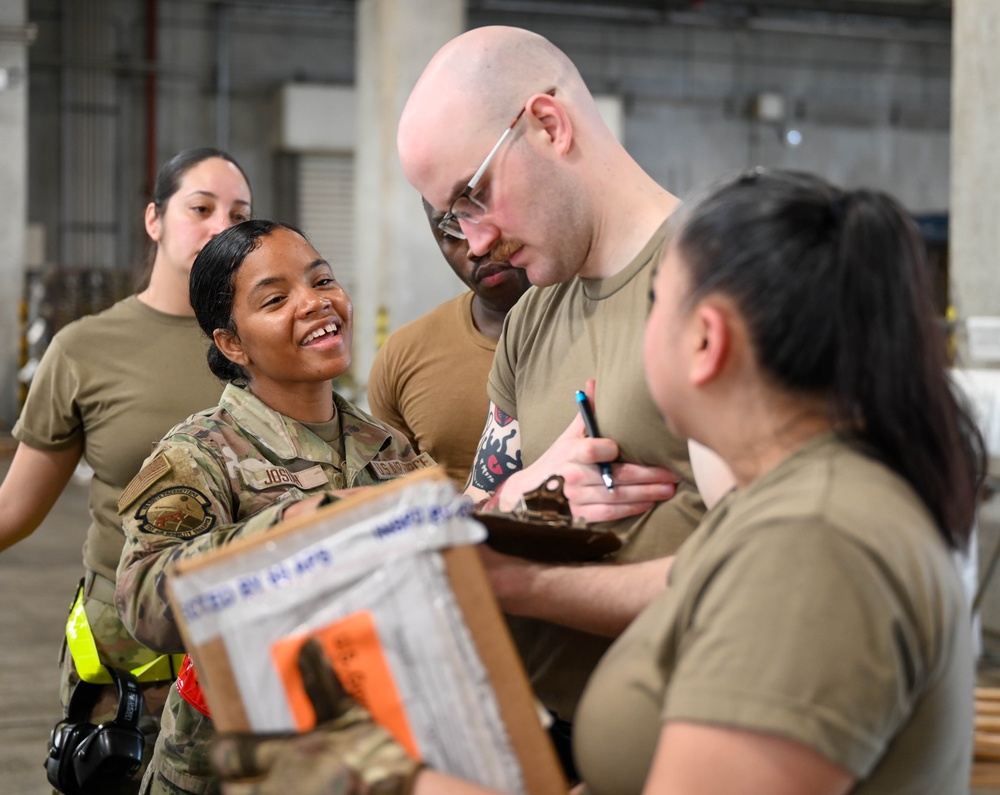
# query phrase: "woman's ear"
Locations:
[[712, 343], [153, 223], [230, 346], [554, 119]]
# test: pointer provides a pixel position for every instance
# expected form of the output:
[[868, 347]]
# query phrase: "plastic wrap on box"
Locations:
[[389, 584]]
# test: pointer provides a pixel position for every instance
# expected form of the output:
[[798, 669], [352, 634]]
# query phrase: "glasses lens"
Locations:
[[449, 225], [469, 208]]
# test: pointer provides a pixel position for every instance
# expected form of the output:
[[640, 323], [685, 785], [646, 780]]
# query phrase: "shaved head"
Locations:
[[499, 67], [471, 89], [559, 195]]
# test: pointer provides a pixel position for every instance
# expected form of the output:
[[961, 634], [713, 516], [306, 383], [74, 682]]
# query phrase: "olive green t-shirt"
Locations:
[[554, 339], [118, 381], [821, 604]]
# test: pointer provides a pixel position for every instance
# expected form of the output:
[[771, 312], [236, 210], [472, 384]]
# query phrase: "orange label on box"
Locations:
[[353, 647]]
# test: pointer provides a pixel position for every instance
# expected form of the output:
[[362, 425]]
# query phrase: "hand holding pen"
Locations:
[[590, 423], [631, 488]]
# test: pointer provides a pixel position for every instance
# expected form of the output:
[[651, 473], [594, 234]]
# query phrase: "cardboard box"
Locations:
[[208, 591]]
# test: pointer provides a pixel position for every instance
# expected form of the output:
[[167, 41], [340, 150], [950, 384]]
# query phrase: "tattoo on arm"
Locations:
[[499, 454]]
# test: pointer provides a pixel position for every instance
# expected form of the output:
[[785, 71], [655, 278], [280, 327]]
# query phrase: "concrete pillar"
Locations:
[[974, 256], [14, 42], [401, 273], [974, 226]]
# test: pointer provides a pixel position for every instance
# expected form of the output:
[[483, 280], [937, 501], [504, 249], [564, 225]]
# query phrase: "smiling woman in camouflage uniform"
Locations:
[[279, 443]]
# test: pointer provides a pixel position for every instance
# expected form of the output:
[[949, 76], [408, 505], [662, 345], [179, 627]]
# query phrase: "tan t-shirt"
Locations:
[[820, 604], [118, 380], [554, 339], [429, 381]]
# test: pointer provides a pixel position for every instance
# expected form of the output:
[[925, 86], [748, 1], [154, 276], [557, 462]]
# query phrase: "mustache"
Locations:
[[504, 250]]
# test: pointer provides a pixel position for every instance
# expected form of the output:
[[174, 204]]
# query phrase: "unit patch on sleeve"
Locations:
[[178, 511]]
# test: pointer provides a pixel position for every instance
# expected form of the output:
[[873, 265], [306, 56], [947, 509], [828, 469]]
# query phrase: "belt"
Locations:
[[83, 647]]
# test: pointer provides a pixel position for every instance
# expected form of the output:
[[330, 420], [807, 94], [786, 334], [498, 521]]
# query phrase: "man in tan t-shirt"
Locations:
[[558, 196], [429, 378]]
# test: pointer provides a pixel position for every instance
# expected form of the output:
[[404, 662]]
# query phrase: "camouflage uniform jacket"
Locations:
[[227, 472]]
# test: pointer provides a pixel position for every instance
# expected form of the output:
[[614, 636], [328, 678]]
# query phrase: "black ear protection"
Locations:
[[85, 759]]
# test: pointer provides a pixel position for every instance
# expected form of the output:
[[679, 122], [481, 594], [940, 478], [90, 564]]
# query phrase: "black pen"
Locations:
[[591, 425]]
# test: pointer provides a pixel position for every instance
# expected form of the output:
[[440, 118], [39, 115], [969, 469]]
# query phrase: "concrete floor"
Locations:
[[37, 580]]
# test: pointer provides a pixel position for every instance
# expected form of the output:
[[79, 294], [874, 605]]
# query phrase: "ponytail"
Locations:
[[835, 292], [891, 384], [223, 368]]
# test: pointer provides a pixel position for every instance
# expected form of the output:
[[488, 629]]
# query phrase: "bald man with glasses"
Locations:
[[558, 196]]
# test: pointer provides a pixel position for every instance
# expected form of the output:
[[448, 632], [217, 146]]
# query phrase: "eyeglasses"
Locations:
[[467, 207]]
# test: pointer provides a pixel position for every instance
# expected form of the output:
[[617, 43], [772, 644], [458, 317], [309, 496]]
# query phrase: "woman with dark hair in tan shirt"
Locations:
[[107, 389]]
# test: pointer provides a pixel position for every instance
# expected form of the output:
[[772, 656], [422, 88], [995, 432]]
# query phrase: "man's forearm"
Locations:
[[599, 599], [498, 456]]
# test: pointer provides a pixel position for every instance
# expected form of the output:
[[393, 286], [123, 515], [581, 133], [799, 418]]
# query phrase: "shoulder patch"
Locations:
[[177, 511], [147, 476]]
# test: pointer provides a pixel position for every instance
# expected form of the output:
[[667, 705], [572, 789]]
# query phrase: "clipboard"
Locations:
[[546, 543]]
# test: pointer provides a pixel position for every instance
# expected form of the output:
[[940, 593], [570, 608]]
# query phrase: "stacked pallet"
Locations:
[[986, 746]]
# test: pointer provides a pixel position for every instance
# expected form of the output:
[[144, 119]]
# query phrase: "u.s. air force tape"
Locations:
[[178, 511], [385, 470]]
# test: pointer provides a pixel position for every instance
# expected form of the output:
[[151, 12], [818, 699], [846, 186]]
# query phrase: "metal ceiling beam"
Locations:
[[932, 12]]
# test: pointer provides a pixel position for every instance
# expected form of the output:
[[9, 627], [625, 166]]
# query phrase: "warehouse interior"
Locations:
[[857, 91], [898, 95]]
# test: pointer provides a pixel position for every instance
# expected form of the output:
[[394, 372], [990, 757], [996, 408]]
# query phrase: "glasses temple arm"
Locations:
[[489, 158]]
